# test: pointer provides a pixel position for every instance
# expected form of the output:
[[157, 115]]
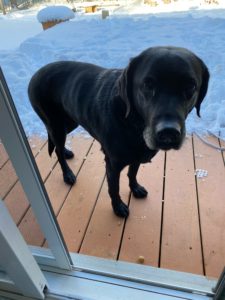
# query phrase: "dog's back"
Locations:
[[52, 83], [65, 91]]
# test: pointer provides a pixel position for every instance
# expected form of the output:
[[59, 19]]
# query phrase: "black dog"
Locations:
[[132, 112]]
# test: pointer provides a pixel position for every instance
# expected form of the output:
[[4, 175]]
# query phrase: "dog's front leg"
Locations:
[[137, 190], [113, 176]]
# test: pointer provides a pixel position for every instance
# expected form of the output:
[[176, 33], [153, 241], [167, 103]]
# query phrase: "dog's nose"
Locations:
[[168, 132]]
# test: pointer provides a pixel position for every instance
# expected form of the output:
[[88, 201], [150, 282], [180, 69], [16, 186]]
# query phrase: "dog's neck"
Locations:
[[133, 120]]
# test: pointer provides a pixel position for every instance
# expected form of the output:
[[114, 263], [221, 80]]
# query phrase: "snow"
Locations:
[[17, 27], [55, 13], [111, 43]]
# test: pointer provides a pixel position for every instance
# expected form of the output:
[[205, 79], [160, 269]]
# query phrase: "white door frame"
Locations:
[[19, 265], [16, 144]]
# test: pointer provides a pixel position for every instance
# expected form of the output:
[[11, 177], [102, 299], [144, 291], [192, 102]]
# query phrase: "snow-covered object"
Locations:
[[55, 13]]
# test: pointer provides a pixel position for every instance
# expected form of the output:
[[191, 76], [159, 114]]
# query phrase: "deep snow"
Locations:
[[111, 43]]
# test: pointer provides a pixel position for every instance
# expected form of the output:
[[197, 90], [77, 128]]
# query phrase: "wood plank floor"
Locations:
[[179, 226]]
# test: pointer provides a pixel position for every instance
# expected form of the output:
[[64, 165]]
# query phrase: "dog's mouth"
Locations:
[[169, 145]]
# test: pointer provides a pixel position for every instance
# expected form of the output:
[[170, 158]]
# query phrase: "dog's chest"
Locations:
[[130, 151], [142, 154]]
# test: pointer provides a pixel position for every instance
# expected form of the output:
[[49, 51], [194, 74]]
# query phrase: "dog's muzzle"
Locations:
[[168, 135]]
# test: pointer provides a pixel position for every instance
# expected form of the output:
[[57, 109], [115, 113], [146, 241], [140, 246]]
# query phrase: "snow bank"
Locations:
[[16, 27], [55, 13]]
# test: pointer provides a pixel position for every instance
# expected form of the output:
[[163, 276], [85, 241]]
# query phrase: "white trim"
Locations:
[[16, 259], [146, 274], [6, 283], [102, 287], [43, 256], [15, 142], [88, 266], [64, 285]]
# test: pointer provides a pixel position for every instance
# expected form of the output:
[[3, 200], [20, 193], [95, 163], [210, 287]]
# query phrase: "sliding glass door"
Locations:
[[24, 273]]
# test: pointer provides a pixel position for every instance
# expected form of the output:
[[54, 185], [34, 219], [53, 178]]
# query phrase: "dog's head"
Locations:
[[163, 84]]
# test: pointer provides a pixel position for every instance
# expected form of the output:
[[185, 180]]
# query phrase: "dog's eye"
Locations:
[[149, 87], [190, 89]]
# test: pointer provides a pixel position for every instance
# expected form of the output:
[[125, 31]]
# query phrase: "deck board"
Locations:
[[55, 187], [179, 226], [211, 194], [181, 244], [104, 233], [74, 216], [45, 165], [8, 179], [142, 231], [16, 201], [3, 155], [31, 230], [7, 173]]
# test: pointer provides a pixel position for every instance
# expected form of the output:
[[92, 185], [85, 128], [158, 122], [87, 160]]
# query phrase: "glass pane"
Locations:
[[180, 225]]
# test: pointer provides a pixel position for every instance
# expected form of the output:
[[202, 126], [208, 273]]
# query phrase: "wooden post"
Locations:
[[105, 13]]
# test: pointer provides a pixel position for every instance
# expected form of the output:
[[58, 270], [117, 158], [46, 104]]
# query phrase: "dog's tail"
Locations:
[[51, 146]]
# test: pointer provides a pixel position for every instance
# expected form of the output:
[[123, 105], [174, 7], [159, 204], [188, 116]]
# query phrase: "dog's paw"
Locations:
[[69, 178], [68, 154], [121, 210], [139, 191]]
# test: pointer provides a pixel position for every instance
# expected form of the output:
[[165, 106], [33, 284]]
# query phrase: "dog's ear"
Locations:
[[126, 84], [204, 86], [123, 89]]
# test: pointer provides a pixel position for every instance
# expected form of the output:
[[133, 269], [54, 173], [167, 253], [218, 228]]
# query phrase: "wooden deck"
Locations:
[[180, 225]]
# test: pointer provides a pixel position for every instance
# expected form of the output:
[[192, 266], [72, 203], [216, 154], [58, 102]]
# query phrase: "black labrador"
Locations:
[[133, 112]]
